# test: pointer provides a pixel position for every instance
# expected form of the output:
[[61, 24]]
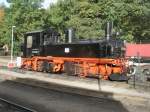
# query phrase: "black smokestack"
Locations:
[[108, 30], [70, 35]]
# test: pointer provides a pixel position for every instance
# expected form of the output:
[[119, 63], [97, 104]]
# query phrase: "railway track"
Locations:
[[8, 106], [49, 100], [135, 82]]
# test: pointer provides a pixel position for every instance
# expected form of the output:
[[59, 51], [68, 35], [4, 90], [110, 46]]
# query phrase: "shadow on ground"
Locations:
[[54, 100]]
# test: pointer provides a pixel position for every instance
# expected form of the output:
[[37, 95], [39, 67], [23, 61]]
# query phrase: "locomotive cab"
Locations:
[[35, 41]]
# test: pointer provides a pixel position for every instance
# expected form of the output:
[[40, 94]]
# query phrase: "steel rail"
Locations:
[[25, 109]]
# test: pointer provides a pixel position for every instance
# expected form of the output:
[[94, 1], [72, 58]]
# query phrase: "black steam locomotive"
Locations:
[[44, 51]]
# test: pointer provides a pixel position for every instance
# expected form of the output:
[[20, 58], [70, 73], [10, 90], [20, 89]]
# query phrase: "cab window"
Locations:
[[29, 41]]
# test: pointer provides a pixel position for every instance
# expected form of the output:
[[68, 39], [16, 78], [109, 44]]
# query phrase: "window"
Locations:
[[29, 41], [46, 40]]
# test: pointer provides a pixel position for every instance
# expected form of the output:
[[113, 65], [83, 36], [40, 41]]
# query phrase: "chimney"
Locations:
[[70, 35], [108, 30]]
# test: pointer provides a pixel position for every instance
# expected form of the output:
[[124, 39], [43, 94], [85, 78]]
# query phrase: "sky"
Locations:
[[45, 4]]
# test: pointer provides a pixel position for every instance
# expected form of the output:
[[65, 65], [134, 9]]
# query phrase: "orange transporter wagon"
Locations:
[[43, 51]]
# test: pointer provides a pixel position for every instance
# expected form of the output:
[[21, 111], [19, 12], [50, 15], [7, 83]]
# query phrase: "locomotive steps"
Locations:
[[90, 87]]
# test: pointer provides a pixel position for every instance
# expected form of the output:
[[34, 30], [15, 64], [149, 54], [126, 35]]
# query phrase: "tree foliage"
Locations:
[[88, 17], [1, 14], [26, 15]]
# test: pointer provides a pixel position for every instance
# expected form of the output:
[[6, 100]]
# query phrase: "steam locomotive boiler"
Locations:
[[44, 52]]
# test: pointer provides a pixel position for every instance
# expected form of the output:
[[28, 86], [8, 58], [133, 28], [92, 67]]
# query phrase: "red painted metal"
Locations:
[[94, 66], [142, 50]]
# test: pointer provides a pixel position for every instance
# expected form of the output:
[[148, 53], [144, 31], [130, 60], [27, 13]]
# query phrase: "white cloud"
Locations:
[[48, 2]]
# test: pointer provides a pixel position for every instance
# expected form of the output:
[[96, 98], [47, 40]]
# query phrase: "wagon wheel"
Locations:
[[69, 68], [51, 67], [39, 66], [27, 67]]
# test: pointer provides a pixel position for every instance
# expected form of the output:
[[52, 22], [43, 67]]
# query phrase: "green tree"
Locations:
[[88, 17], [26, 15]]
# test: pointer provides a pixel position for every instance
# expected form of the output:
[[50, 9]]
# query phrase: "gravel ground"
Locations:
[[43, 100]]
